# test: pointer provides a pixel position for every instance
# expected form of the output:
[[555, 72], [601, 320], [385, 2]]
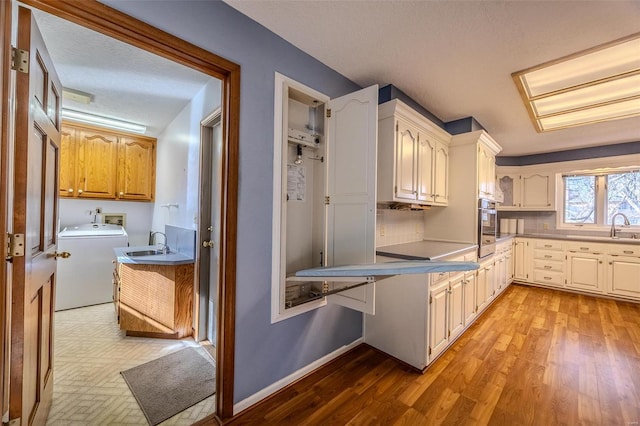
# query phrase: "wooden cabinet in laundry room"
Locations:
[[96, 163]]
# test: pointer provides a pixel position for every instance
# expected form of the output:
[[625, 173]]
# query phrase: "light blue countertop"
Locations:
[[171, 258], [389, 268], [425, 250]]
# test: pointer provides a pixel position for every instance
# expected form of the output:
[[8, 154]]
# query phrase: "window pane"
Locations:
[[579, 199], [623, 196]]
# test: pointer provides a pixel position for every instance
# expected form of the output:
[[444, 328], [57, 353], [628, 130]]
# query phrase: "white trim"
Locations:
[[297, 375]]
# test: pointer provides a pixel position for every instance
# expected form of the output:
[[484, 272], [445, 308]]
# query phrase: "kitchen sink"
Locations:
[[144, 253]]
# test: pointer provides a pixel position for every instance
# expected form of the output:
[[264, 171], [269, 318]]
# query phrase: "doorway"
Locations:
[[122, 27]]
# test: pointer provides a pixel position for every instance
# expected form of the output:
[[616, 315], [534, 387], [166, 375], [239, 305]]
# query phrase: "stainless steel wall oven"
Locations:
[[487, 226]]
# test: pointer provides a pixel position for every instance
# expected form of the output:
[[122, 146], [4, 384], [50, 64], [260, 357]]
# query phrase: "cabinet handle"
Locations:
[[610, 263], [548, 267], [627, 251], [70, 190], [547, 278], [548, 245], [584, 248], [80, 191], [600, 262], [547, 256], [121, 193]]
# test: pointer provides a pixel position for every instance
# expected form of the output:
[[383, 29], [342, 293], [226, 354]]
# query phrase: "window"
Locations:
[[592, 199]]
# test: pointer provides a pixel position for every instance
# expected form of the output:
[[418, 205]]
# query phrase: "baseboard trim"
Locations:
[[293, 377]]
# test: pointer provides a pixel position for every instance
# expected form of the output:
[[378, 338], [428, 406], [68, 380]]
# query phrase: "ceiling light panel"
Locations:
[[585, 87], [98, 120]]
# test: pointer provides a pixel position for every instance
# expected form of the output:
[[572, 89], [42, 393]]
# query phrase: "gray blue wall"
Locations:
[[265, 353]]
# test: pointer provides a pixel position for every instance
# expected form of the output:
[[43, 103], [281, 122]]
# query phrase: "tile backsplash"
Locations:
[[398, 226]]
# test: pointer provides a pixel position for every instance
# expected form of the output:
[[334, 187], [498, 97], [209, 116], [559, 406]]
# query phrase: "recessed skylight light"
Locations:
[[599, 84]]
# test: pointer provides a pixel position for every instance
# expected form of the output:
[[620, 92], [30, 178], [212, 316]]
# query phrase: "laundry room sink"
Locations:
[[144, 253]]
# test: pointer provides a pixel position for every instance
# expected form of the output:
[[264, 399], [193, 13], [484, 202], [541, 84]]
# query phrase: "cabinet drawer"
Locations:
[[439, 277], [548, 277], [548, 255], [586, 247], [548, 265], [623, 250], [547, 244]]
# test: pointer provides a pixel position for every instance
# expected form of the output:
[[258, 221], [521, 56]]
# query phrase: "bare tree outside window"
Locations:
[[623, 196], [580, 199]]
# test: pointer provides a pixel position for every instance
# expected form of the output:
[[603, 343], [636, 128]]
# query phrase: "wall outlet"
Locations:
[[382, 230], [545, 226]]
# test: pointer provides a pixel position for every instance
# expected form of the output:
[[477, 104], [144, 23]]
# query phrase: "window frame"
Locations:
[[601, 200]]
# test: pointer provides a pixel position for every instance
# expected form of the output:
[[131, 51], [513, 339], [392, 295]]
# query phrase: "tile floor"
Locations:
[[90, 351]]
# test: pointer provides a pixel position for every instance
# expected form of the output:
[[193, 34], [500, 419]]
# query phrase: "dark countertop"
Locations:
[[424, 250], [173, 258], [570, 237]]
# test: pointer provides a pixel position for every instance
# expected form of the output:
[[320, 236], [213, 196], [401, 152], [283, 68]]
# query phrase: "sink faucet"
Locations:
[[613, 223], [165, 247]]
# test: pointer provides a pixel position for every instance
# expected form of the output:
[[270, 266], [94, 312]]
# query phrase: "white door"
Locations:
[[441, 174], [470, 285], [585, 271], [536, 191], [426, 160], [406, 160], [456, 306], [438, 324], [351, 212]]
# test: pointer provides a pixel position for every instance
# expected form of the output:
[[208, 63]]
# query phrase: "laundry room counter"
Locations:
[[126, 255]]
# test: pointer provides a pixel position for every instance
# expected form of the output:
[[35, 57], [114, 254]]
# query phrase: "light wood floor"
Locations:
[[90, 351], [536, 357]]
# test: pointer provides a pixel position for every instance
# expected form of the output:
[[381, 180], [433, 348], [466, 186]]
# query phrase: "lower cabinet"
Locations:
[[155, 300], [585, 272], [624, 276], [611, 269], [419, 316]]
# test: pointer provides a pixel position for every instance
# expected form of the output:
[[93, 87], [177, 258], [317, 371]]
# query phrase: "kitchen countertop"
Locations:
[[424, 250], [172, 258], [564, 237]]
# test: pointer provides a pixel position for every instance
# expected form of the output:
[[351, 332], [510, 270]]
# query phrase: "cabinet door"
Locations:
[[441, 174], [469, 289], [585, 271], [482, 291], [438, 327], [136, 176], [520, 268], [491, 280], [509, 267], [97, 162], [426, 160], [351, 185], [510, 187], [406, 160], [624, 276], [68, 179], [456, 306], [537, 191], [483, 171]]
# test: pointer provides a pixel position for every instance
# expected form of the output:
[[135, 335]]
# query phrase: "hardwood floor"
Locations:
[[536, 357]]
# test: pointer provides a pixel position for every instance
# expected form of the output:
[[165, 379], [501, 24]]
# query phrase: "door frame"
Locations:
[[112, 23]]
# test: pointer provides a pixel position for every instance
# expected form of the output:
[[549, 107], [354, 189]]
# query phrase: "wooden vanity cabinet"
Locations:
[[156, 300]]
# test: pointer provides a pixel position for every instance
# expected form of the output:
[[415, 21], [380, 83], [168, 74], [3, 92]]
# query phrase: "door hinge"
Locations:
[[328, 112], [15, 246], [430, 299], [449, 333], [397, 127], [20, 60], [429, 350], [327, 200]]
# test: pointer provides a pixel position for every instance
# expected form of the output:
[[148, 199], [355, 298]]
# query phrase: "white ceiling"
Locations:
[[456, 57], [127, 83]]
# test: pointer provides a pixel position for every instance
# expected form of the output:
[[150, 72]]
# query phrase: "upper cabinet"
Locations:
[[526, 189], [101, 164], [413, 157], [324, 205], [486, 172]]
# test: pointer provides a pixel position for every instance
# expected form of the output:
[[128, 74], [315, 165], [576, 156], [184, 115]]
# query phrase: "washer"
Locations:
[[85, 278]]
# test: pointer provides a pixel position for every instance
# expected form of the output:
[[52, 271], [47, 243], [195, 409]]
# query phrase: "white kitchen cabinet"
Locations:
[[522, 267], [526, 189], [485, 283], [585, 272], [438, 321], [413, 157], [486, 172], [548, 259], [469, 289], [623, 273], [324, 194]]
